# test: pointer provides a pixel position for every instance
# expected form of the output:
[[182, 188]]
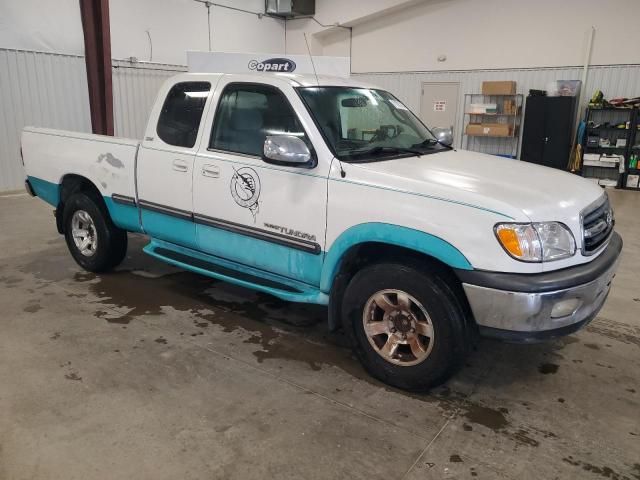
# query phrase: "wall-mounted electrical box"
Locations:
[[290, 8]]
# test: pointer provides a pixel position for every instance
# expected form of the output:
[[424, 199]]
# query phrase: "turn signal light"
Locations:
[[520, 240], [509, 240]]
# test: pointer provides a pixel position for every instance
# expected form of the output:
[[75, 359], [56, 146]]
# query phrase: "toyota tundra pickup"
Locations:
[[330, 191]]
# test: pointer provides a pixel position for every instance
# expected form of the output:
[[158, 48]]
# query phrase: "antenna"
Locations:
[[311, 57]]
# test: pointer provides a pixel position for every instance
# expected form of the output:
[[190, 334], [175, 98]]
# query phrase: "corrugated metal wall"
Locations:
[[39, 89], [614, 81], [135, 87], [50, 90]]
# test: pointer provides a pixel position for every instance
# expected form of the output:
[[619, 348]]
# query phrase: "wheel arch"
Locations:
[[389, 237], [374, 242], [72, 183]]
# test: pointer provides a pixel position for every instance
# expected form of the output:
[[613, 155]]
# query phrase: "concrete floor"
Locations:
[[151, 372]]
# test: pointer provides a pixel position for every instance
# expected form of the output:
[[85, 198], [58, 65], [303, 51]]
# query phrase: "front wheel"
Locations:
[[95, 243], [407, 326]]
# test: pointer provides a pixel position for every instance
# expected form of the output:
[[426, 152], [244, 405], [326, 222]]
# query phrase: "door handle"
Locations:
[[212, 171], [180, 166]]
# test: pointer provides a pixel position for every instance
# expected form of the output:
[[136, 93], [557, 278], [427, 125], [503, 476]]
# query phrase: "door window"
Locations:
[[181, 113], [247, 113]]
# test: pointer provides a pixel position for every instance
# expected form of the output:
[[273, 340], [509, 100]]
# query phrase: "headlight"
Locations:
[[536, 242]]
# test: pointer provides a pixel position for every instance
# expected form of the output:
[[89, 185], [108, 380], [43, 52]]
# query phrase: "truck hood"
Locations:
[[521, 190]]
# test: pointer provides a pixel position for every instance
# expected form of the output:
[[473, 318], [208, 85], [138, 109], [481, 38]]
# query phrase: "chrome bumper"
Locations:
[[531, 315]]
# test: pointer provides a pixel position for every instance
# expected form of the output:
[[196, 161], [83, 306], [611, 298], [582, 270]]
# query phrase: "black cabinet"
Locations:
[[548, 130]]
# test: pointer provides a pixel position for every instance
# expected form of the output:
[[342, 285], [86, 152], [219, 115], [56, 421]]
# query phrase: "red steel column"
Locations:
[[97, 54]]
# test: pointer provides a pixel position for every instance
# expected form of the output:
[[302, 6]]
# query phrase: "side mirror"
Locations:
[[287, 150], [444, 135]]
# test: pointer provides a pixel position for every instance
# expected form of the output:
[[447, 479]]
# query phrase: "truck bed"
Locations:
[[107, 162]]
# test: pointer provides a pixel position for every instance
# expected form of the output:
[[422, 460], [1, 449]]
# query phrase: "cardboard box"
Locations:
[[499, 88], [509, 106], [489, 130], [632, 181]]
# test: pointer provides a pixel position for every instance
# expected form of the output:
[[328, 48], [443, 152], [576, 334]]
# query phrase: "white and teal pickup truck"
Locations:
[[330, 191]]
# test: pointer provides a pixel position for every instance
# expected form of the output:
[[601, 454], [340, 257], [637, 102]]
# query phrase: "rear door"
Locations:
[[257, 214], [165, 163]]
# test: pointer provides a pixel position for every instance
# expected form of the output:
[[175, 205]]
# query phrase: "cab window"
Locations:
[[247, 113], [181, 113]]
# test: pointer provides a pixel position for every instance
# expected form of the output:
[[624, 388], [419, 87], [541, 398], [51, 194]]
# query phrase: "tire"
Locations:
[[107, 244], [421, 314]]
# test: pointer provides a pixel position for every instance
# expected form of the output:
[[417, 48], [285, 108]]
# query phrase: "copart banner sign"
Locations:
[[225, 62]]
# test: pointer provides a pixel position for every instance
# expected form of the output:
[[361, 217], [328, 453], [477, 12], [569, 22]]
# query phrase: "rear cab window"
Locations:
[[181, 113]]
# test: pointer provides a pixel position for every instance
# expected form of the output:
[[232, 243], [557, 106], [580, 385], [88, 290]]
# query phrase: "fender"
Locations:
[[393, 235]]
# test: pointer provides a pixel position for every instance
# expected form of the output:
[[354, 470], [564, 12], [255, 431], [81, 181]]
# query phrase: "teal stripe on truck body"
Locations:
[[124, 216], [47, 191], [264, 255], [312, 269]]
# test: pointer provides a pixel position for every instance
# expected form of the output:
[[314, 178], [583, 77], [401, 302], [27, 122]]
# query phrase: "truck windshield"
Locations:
[[365, 125]]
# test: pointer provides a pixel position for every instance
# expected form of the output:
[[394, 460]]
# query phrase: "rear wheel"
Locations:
[[95, 243], [407, 325]]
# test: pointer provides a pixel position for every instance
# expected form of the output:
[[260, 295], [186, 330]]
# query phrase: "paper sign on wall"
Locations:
[[440, 106]]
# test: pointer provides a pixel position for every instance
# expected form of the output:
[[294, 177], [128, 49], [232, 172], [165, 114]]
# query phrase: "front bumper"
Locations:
[[533, 307]]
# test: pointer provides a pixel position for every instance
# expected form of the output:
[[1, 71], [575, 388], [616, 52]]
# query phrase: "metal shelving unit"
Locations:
[[634, 149], [610, 117], [504, 145]]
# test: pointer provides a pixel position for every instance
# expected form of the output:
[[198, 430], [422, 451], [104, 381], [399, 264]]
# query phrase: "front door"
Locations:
[[439, 105], [165, 164], [256, 214]]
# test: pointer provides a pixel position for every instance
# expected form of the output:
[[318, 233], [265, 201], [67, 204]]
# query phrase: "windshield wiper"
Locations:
[[385, 150], [431, 142]]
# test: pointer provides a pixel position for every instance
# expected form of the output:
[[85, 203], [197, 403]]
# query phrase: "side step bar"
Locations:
[[231, 272]]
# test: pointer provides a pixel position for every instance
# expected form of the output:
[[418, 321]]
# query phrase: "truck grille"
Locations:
[[597, 225]]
